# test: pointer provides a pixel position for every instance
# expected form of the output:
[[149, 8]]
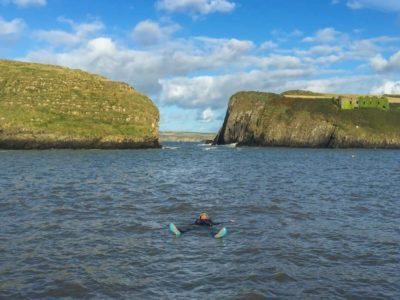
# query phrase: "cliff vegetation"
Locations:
[[44, 106]]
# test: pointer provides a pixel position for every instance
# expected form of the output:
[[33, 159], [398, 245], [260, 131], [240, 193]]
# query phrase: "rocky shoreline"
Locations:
[[31, 142]]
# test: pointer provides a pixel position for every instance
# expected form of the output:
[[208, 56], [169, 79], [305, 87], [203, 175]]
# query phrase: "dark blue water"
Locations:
[[303, 223]]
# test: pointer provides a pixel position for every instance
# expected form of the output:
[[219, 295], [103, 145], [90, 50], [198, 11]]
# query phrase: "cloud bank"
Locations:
[[384, 5], [196, 7], [388, 87], [392, 64], [200, 73], [11, 30], [26, 3], [149, 32]]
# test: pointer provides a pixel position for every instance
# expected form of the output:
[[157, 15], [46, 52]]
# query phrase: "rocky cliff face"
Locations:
[[43, 106], [266, 119]]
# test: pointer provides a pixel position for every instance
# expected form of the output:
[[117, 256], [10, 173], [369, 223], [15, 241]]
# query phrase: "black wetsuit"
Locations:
[[206, 222], [198, 222]]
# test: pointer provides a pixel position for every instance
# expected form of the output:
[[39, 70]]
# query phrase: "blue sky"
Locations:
[[190, 56]]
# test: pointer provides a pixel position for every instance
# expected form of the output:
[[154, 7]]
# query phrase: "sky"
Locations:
[[190, 56]]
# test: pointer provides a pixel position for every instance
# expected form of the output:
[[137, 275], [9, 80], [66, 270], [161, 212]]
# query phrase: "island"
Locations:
[[46, 106], [307, 119]]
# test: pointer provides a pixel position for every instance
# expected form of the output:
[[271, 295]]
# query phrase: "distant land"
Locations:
[[45, 106], [186, 136], [307, 119]]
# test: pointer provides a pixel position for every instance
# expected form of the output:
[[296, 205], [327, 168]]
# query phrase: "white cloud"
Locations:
[[196, 7], [11, 30], [325, 35], [57, 37], [384, 5], [384, 39], [275, 61], [149, 32], [320, 50], [350, 84], [268, 45], [381, 64], [388, 87], [214, 91], [81, 32], [144, 68], [224, 50], [284, 36], [354, 4], [207, 115], [346, 49], [26, 3], [325, 60], [360, 50], [84, 28], [324, 49], [197, 92]]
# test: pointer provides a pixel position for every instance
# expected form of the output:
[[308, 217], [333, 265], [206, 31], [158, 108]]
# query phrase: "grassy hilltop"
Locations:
[[267, 119], [49, 105]]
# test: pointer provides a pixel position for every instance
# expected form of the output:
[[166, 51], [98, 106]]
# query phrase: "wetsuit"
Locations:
[[206, 222], [199, 222]]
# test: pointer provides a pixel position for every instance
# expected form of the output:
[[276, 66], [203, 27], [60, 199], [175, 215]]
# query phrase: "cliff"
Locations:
[[267, 119], [44, 106]]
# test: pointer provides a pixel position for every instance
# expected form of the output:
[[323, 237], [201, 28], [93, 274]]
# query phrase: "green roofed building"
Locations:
[[373, 102], [352, 102]]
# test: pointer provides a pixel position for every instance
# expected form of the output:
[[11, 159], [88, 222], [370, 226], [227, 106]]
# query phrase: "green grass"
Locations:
[[49, 99], [301, 92]]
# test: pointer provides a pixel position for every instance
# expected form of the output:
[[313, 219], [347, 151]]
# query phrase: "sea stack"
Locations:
[[45, 106], [310, 120]]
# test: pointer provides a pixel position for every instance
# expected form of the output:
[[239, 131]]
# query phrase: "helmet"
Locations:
[[203, 216]]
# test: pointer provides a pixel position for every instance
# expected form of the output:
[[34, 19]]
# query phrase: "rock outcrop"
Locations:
[[44, 106], [267, 119]]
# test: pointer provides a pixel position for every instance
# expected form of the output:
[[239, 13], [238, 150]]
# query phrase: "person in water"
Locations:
[[202, 220]]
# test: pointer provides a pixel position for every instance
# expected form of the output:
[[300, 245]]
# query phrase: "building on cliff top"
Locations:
[[355, 102]]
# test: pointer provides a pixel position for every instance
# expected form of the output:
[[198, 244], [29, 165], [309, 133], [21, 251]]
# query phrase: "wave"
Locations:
[[169, 148], [232, 145]]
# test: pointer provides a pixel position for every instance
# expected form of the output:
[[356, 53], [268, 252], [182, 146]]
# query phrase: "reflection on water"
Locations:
[[303, 223]]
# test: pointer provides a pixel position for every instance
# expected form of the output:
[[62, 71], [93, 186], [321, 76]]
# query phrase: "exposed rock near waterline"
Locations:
[[40, 142]]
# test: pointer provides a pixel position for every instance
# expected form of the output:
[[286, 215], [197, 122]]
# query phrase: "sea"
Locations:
[[302, 223]]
